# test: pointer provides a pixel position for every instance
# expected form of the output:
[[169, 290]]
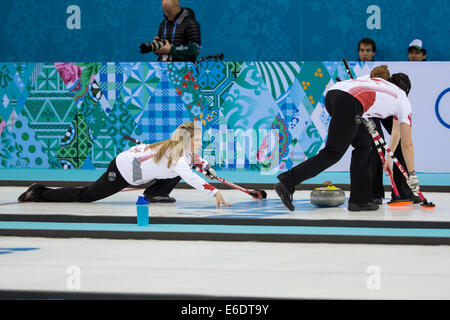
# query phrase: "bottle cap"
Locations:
[[141, 201]]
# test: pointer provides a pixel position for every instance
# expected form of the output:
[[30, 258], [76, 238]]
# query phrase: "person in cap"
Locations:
[[416, 51]]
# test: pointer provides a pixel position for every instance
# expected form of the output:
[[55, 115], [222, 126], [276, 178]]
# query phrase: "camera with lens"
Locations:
[[152, 46]]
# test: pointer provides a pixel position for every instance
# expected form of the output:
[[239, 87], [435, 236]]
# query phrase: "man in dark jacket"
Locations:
[[181, 33]]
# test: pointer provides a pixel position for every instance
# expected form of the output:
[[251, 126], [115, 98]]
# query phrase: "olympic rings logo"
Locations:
[[438, 101]]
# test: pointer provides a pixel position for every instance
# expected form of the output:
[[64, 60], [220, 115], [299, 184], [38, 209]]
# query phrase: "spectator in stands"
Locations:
[[179, 31], [367, 49], [416, 51]]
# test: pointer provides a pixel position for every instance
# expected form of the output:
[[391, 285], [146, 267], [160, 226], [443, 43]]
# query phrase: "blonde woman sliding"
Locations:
[[139, 165]]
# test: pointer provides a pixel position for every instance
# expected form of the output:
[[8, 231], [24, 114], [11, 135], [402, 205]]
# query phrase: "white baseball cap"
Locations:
[[416, 43]]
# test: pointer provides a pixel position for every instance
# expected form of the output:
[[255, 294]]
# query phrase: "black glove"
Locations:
[[210, 172]]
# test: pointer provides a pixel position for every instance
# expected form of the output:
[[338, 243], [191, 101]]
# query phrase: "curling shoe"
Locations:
[[285, 195], [161, 199], [371, 206], [28, 195]]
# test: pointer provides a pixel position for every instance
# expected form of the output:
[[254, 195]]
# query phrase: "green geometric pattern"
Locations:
[[49, 80], [314, 79], [76, 144], [278, 76], [103, 151]]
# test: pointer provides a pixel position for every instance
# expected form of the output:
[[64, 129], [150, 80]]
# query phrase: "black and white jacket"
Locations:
[[186, 41]]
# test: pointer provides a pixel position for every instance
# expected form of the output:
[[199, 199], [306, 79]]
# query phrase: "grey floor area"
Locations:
[[233, 269]]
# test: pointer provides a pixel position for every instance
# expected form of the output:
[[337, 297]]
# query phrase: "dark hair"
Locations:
[[402, 81], [368, 41], [424, 51]]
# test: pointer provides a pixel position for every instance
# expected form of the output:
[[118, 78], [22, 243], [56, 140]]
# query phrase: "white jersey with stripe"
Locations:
[[137, 167], [379, 98]]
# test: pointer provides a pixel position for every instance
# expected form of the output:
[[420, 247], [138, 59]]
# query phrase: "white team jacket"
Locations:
[[379, 98], [137, 167]]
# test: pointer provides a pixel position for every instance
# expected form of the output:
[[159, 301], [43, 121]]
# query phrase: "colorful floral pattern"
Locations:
[[74, 115]]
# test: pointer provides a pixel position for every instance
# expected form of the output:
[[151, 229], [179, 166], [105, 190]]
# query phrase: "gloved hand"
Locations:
[[413, 182], [371, 126], [210, 172]]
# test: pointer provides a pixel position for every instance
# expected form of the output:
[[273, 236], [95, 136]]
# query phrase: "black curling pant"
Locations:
[[377, 167], [343, 131], [162, 187], [108, 184]]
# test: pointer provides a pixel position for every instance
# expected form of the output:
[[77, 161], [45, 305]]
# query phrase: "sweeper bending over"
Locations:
[[136, 166], [347, 102]]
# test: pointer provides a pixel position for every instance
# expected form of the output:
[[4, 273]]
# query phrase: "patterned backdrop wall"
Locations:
[[254, 115], [251, 30], [258, 116]]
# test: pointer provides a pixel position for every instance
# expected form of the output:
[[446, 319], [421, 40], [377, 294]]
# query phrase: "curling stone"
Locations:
[[327, 196]]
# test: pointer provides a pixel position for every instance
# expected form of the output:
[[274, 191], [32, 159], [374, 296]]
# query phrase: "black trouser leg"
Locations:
[[332, 152], [108, 184], [162, 187], [377, 165], [399, 180], [360, 175], [343, 109]]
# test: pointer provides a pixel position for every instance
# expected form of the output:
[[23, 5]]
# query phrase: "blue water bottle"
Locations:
[[142, 211]]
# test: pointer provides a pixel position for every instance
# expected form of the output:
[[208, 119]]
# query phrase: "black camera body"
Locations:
[[151, 46]]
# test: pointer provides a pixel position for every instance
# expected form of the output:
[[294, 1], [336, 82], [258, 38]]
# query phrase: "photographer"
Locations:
[[178, 36]]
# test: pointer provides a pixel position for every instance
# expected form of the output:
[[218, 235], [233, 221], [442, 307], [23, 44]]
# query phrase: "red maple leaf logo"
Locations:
[[208, 186]]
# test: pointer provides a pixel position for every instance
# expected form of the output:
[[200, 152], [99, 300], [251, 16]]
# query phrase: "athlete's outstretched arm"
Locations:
[[407, 146]]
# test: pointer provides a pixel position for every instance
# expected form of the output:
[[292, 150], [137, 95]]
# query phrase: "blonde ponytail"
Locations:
[[178, 145]]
